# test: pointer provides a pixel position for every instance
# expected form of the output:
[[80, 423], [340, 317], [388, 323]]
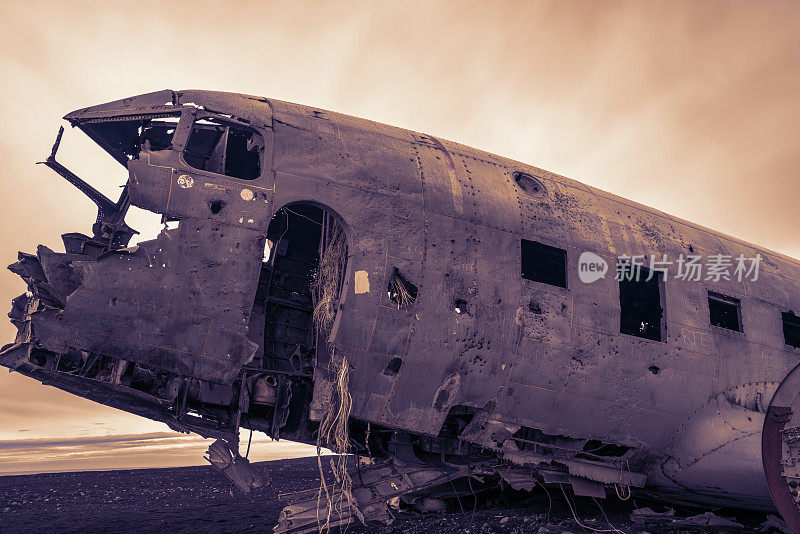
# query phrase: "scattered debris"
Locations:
[[236, 468], [774, 523], [707, 519]]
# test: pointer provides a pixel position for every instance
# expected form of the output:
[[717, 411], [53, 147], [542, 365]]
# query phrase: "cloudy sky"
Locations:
[[691, 107]]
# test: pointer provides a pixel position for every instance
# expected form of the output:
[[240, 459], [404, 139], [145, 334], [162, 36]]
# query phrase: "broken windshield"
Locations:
[[125, 137]]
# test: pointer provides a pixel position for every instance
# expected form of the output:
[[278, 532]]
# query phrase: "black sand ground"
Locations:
[[199, 500]]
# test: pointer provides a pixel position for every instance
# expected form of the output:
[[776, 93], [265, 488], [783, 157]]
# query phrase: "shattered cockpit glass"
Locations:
[[125, 137]]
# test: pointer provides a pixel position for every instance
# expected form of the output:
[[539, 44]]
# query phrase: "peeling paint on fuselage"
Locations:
[[528, 355], [362, 282]]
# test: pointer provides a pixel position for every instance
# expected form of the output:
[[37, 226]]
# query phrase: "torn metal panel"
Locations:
[[236, 468], [519, 480], [115, 311], [587, 488], [605, 474]]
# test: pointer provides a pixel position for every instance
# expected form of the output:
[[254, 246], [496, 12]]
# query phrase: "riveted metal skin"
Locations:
[[540, 375]]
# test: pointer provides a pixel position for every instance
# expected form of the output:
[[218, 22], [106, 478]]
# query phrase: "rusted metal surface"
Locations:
[[780, 454], [452, 353], [781, 493]]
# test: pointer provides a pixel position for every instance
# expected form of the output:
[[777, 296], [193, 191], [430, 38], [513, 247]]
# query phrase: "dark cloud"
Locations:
[[95, 441], [155, 449]]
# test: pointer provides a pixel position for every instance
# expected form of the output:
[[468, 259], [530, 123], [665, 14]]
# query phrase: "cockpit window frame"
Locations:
[[111, 145], [188, 129]]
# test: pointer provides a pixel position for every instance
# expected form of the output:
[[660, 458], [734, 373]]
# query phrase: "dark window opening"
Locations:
[[224, 148], [640, 302], [543, 263], [791, 329], [457, 420], [156, 134], [594, 448], [725, 312]]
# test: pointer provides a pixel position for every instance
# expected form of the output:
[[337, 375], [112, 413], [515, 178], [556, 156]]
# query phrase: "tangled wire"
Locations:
[[327, 284], [333, 431], [401, 291]]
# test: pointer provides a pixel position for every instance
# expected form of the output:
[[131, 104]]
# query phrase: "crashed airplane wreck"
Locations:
[[420, 305]]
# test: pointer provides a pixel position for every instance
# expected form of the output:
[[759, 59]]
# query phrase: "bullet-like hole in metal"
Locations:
[[393, 367], [216, 206]]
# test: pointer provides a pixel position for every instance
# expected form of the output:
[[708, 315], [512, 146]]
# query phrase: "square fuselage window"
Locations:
[[543, 263], [791, 329], [724, 311], [641, 307]]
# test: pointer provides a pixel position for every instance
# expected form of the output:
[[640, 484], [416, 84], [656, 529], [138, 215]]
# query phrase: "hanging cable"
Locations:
[[575, 516], [606, 517], [458, 498], [549, 498], [620, 495], [249, 441]]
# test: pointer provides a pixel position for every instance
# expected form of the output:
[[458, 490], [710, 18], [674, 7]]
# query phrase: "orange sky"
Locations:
[[689, 107]]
